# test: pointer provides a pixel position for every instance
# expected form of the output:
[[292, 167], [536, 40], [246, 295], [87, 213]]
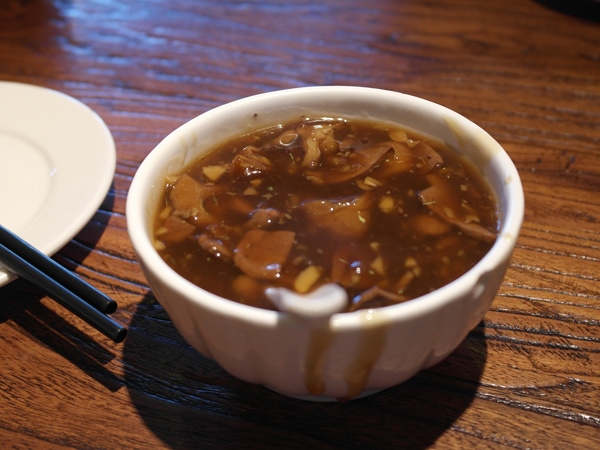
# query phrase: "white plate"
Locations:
[[57, 162]]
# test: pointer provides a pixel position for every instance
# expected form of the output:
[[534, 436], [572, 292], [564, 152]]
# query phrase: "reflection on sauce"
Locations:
[[374, 326]]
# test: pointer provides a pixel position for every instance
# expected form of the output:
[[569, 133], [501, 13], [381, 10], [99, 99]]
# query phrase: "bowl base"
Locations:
[[325, 398]]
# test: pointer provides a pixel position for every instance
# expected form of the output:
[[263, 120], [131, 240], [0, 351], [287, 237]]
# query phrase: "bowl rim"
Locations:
[[500, 251]]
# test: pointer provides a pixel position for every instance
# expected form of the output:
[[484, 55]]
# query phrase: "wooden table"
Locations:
[[527, 377]]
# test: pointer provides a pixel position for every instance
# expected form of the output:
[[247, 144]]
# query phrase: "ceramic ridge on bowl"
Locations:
[[348, 354]]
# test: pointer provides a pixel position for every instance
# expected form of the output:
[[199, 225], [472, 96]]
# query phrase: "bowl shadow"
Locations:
[[188, 401], [588, 10]]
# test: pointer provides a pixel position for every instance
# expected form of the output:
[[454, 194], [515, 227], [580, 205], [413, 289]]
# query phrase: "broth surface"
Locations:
[[386, 214]]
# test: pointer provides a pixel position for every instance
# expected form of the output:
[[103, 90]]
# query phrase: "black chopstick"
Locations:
[[94, 297], [70, 300]]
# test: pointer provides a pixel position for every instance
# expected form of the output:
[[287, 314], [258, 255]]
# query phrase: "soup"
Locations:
[[387, 214]]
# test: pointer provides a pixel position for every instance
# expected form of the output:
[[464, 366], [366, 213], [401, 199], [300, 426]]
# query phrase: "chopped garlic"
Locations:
[[161, 230], [449, 212], [398, 135], [250, 191], [378, 266], [213, 173], [470, 218], [165, 213], [370, 181], [361, 185], [159, 245], [386, 204], [306, 279], [410, 262]]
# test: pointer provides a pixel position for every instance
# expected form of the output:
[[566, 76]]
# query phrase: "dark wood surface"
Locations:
[[527, 377]]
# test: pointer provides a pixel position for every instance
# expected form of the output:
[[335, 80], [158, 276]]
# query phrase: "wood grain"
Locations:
[[527, 377]]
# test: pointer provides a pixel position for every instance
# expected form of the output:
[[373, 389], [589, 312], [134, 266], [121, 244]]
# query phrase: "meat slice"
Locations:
[[187, 196], [262, 254], [426, 157], [351, 267], [344, 217], [419, 158], [265, 217], [215, 247], [174, 229]]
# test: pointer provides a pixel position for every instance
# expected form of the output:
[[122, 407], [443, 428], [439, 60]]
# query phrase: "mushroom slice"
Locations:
[[317, 141], [349, 166], [440, 200]]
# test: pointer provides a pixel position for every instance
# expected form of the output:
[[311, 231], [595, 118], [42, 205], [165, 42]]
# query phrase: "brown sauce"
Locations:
[[388, 215]]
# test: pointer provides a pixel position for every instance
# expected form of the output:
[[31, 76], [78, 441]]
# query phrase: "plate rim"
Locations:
[[102, 177]]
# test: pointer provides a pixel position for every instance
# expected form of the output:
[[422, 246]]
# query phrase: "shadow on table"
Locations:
[[21, 303], [584, 9], [188, 401]]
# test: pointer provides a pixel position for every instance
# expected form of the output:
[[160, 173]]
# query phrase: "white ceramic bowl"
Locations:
[[348, 354]]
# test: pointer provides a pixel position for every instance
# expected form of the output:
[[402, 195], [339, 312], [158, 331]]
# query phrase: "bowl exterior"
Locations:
[[348, 354], [335, 359]]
